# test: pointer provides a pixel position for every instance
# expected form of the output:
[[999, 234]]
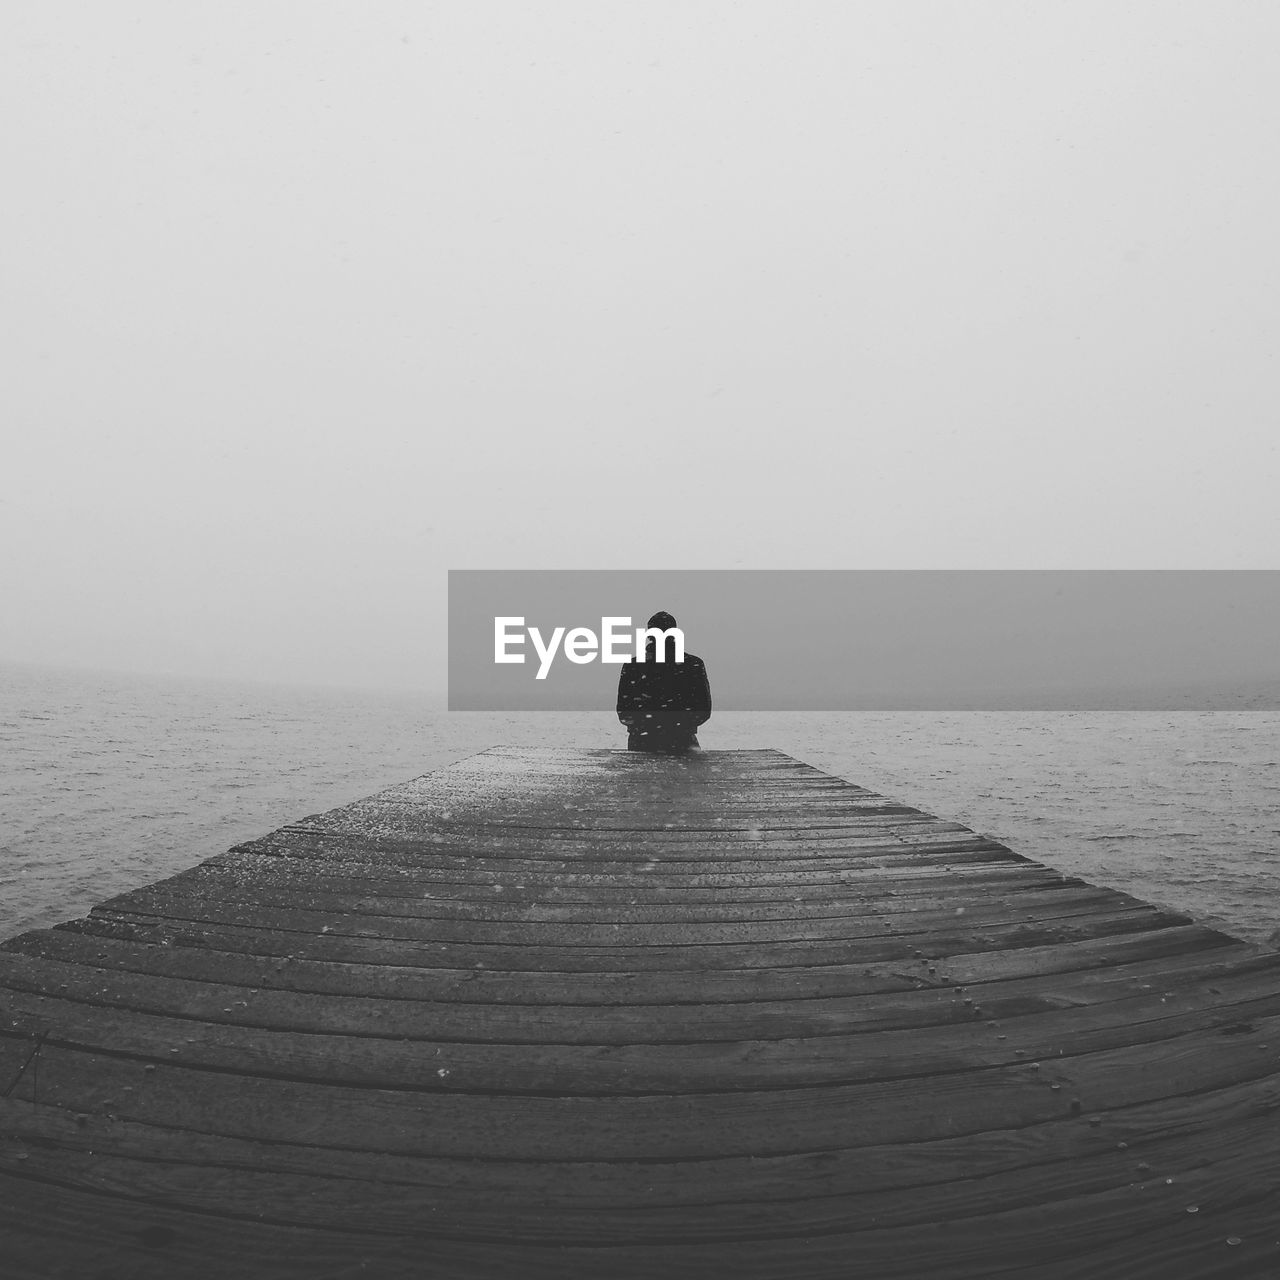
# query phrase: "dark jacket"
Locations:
[[663, 703]]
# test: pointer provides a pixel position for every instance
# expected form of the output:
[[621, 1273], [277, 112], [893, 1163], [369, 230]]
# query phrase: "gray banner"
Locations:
[[832, 640]]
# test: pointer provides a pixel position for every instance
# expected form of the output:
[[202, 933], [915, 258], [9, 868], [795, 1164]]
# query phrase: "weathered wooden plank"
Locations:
[[418, 823], [337, 1198], [958, 1247], [334, 894], [412, 864], [437, 1114], [389, 825], [1113, 958], [408, 1057], [930, 1002], [380, 824], [344, 939], [667, 880], [296, 913], [756, 858], [571, 891], [1147, 1133], [1014, 1240], [796, 823], [725, 873]]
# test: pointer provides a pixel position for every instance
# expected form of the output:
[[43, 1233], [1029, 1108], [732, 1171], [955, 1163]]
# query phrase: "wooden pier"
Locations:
[[554, 1013]]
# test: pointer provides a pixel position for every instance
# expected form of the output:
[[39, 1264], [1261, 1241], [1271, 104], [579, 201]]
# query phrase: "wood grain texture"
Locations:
[[559, 1013]]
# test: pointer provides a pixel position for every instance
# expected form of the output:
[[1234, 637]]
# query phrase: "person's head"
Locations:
[[660, 623]]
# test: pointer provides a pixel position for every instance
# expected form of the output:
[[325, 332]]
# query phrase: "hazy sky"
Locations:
[[306, 303]]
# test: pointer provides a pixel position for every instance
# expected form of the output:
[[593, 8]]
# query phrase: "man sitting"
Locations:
[[663, 703]]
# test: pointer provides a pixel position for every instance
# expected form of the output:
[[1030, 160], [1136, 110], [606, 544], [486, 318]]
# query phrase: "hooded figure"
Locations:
[[663, 703]]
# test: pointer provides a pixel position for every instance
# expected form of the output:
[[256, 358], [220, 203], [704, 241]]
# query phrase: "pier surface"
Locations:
[[554, 1013]]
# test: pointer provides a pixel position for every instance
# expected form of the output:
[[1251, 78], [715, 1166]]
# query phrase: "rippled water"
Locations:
[[108, 782]]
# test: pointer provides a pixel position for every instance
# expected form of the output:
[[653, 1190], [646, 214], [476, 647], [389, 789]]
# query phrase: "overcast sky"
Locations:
[[306, 303]]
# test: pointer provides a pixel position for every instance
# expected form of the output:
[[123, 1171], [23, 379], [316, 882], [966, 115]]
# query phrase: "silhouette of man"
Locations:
[[663, 703]]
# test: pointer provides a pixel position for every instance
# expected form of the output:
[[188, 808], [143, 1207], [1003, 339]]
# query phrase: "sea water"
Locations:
[[108, 781]]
